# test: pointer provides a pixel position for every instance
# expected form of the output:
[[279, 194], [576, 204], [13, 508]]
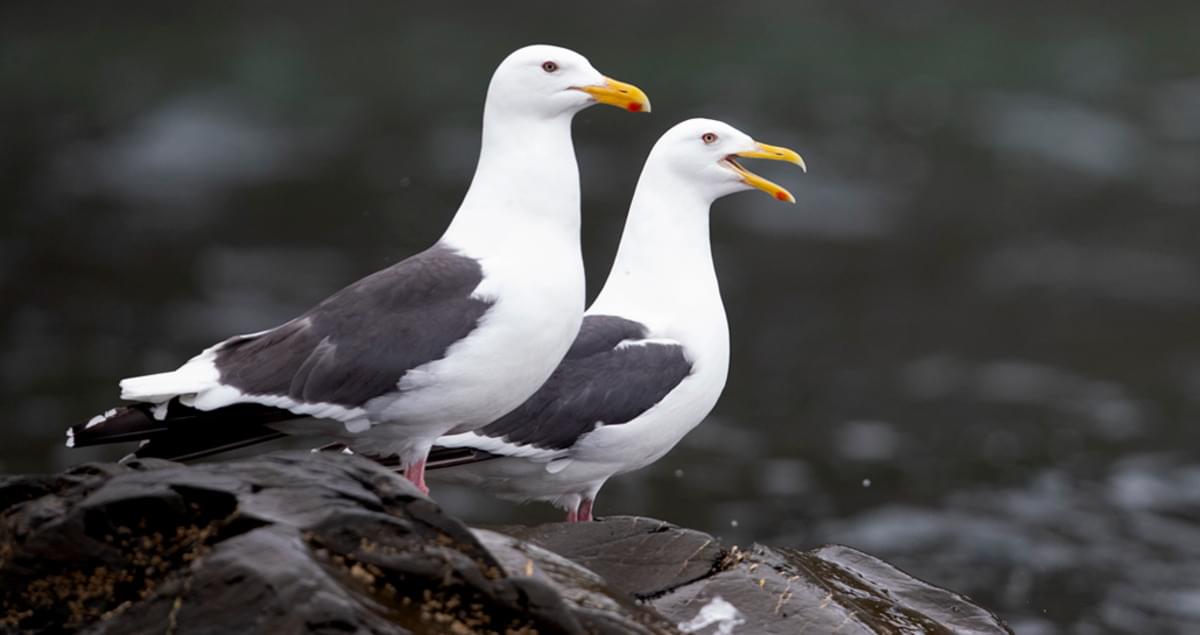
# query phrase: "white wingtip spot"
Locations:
[[100, 418], [71, 437]]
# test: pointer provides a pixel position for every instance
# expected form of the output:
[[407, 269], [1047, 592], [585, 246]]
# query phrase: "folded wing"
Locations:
[[612, 374], [330, 362]]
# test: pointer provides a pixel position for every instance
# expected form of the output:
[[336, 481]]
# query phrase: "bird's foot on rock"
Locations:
[[582, 513], [415, 473]]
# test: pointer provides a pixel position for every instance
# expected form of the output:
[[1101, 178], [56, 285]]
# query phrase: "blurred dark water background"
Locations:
[[972, 348]]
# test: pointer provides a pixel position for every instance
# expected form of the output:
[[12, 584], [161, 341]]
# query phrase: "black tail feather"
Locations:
[[196, 444], [439, 457], [182, 433]]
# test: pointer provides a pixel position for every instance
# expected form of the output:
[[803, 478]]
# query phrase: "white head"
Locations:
[[701, 153], [550, 82]]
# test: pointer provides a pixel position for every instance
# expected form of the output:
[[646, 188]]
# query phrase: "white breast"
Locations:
[[536, 312]]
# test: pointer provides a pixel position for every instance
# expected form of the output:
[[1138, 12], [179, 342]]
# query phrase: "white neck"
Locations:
[[525, 188], [663, 271]]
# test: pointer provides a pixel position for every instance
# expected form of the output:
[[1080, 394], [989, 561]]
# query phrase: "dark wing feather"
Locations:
[[611, 385], [360, 342]]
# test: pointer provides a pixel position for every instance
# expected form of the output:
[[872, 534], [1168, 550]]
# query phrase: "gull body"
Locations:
[[652, 355], [446, 340]]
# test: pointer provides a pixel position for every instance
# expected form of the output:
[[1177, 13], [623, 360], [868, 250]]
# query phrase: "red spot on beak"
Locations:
[[781, 196], [634, 106]]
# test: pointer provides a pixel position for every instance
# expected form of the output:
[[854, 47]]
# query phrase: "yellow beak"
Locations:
[[619, 94], [771, 153]]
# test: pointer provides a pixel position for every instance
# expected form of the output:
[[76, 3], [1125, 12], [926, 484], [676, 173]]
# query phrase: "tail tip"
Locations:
[[85, 433]]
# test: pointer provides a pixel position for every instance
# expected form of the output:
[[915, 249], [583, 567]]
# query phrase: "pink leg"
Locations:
[[585, 510], [416, 474], [572, 517]]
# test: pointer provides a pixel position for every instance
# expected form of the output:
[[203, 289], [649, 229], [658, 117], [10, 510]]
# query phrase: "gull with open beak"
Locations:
[[447, 340], [652, 355], [772, 153]]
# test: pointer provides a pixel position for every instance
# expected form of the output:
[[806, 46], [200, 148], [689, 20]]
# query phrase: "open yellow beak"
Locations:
[[772, 153], [619, 94]]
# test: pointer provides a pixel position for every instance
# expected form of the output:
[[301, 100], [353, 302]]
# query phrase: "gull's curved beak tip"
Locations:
[[619, 94], [770, 153], [777, 153]]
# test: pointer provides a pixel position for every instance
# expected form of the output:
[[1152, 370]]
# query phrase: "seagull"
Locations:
[[652, 355], [447, 340]]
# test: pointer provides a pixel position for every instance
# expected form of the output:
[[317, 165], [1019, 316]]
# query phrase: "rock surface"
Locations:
[[328, 543], [829, 589]]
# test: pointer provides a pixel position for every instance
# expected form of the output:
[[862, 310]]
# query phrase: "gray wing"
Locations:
[[602, 333], [359, 343], [612, 375]]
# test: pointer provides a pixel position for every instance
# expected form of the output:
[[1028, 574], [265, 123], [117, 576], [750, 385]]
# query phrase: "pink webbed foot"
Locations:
[[572, 516], [415, 473]]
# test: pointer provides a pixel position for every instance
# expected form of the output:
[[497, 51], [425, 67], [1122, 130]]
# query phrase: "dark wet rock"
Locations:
[[284, 543], [302, 543], [826, 590], [641, 556], [601, 606], [830, 589]]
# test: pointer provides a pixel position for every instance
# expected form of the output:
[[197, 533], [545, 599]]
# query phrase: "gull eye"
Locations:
[[709, 138], [549, 67]]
